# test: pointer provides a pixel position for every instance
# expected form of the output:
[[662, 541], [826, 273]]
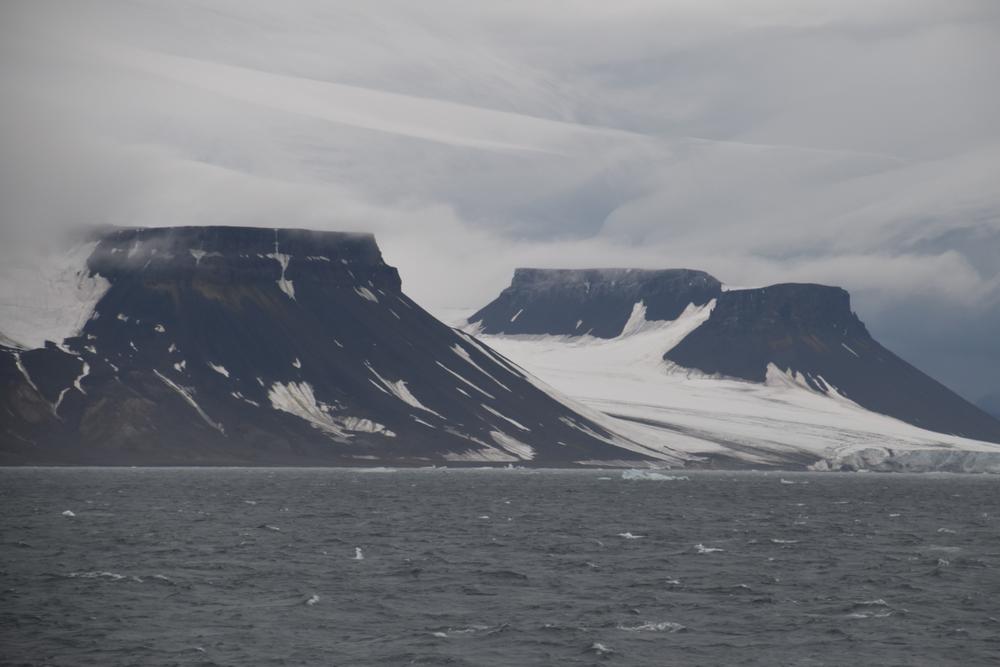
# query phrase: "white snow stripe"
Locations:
[[186, 395], [481, 391]]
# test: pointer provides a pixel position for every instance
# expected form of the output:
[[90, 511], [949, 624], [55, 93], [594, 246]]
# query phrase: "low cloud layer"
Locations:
[[852, 143]]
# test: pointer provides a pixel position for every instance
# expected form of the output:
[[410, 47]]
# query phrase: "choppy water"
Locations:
[[261, 567]]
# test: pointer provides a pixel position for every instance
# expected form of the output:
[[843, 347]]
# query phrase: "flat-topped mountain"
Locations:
[[225, 345], [766, 376], [811, 331], [596, 302]]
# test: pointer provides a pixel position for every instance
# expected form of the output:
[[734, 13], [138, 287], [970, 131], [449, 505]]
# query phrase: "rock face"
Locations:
[[597, 302], [811, 331], [246, 346]]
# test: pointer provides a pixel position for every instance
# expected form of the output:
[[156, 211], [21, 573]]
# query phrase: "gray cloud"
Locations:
[[852, 143]]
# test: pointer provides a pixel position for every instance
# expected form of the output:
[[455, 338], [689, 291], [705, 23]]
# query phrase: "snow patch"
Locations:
[[504, 417], [512, 445], [219, 368], [848, 348], [48, 300], [400, 391], [299, 399], [366, 293], [635, 321], [187, 395], [481, 391], [461, 352]]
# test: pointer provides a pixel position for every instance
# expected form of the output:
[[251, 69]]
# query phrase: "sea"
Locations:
[[244, 567]]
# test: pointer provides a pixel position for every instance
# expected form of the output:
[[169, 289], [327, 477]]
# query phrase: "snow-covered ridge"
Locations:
[[785, 421]]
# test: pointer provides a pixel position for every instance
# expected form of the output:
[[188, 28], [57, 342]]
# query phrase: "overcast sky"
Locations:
[[854, 142]]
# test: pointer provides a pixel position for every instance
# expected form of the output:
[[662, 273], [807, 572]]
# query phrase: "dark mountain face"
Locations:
[[990, 404], [218, 345], [591, 301], [810, 329]]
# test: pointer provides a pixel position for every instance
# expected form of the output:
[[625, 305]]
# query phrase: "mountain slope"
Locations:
[[215, 345], [810, 330], [782, 376]]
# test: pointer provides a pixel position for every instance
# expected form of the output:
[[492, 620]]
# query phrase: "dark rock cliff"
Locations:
[[597, 302]]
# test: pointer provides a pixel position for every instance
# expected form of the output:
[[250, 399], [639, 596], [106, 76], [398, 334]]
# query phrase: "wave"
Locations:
[[649, 626]]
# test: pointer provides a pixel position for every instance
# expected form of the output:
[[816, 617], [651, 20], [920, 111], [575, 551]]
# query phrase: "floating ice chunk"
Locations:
[[630, 536], [649, 475], [219, 368], [297, 363], [702, 549], [600, 649], [358, 554], [159, 328], [180, 365], [267, 526], [366, 293], [69, 513], [517, 315], [123, 317], [847, 347], [338, 343], [172, 348], [312, 600]]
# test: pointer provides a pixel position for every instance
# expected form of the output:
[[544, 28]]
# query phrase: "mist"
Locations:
[[776, 141]]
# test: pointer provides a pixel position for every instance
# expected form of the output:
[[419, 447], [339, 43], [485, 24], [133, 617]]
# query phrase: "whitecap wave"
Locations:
[[650, 626]]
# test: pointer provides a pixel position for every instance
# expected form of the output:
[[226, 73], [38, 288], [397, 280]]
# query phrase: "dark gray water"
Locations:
[[218, 567]]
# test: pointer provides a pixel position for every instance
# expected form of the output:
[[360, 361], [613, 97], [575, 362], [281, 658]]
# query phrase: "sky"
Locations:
[[853, 143]]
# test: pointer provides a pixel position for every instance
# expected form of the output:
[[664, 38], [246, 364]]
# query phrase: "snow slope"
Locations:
[[48, 298], [781, 422]]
